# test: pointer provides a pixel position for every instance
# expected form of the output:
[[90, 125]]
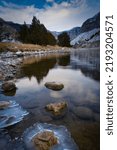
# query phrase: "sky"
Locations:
[[56, 15]]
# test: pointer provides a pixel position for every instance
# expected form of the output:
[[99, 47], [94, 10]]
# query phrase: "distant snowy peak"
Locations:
[[73, 33], [90, 36], [88, 25], [89, 33]]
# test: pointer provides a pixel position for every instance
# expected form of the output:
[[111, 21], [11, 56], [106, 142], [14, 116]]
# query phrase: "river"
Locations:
[[79, 71]]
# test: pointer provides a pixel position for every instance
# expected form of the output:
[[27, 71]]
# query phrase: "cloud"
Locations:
[[49, 1], [62, 16]]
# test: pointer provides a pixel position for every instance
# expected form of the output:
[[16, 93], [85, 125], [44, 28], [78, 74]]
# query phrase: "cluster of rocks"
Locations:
[[9, 68], [21, 53], [57, 108]]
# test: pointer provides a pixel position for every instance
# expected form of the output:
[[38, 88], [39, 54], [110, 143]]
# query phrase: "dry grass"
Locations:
[[26, 47]]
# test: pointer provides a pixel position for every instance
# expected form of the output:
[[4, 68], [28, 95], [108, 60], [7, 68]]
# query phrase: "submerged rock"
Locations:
[[4, 104], [10, 93], [84, 112], [54, 86], [63, 141], [8, 86], [44, 140], [56, 108]]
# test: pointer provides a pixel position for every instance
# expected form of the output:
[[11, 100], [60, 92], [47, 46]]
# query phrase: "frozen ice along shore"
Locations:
[[65, 142]]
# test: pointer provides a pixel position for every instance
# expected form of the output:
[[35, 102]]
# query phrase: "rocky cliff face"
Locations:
[[89, 33], [91, 24], [73, 33]]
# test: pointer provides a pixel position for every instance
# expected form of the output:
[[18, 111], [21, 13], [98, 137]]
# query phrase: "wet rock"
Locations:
[[13, 65], [54, 86], [1, 76], [8, 86], [44, 140], [56, 108], [4, 104], [84, 112], [10, 93], [19, 54], [9, 77]]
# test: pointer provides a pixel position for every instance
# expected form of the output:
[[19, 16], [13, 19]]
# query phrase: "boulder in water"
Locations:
[[54, 86], [44, 140], [64, 140], [84, 113], [8, 86], [56, 108]]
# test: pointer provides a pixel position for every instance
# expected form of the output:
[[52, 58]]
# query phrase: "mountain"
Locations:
[[73, 33], [86, 37], [8, 30], [89, 33], [55, 34], [14, 25], [91, 23], [88, 25]]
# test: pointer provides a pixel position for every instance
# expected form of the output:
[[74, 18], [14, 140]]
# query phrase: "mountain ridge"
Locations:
[[9, 30]]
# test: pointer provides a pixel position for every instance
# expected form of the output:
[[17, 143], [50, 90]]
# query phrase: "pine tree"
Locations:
[[64, 39], [35, 31], [51, 39], [24, 33], [36, 34]]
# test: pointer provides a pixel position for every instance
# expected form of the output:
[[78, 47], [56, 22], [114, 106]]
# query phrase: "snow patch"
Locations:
[[89, 36]]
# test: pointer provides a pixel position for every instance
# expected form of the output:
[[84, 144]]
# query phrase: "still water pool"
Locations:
[[79, 71]]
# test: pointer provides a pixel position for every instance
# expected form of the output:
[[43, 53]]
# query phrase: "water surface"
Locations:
[[79, 72]]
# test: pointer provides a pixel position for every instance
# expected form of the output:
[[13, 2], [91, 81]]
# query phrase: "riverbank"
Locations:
[[14, 47], [13, 54]]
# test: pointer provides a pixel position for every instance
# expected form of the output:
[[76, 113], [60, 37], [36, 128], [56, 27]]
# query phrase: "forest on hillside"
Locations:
[[37, 33]]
